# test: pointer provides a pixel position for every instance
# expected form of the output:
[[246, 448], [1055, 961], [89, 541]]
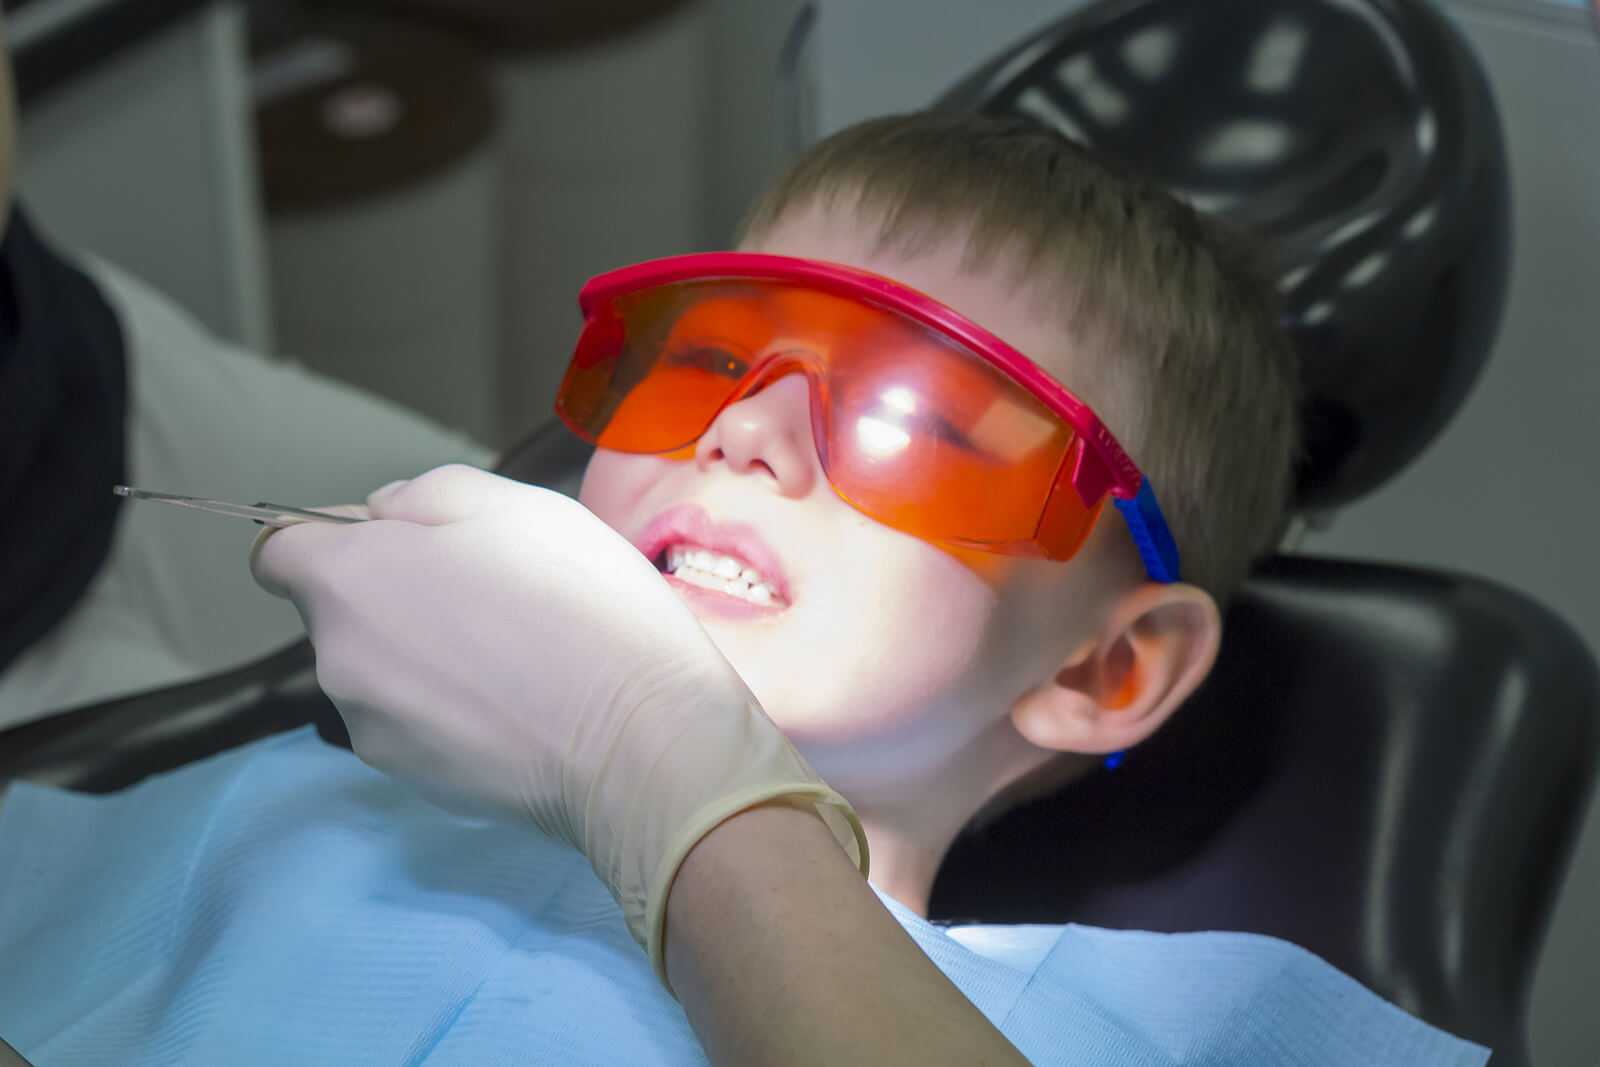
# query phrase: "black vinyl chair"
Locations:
[[1389, 763]]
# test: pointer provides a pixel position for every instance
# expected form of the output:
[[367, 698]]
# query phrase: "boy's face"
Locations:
[[888, 657]]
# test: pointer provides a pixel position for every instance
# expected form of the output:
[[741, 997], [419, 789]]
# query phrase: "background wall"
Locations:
[[147, 161], [1508, 490]]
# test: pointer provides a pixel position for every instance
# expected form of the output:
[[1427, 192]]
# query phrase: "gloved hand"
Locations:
[[503, 651]]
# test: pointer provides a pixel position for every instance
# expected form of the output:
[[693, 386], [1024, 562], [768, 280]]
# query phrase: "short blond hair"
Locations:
[[1193, 375]]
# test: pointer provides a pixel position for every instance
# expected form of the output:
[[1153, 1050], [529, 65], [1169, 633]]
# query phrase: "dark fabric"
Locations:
[[63, 435]]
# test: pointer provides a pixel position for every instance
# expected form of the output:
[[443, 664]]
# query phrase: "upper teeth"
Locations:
[[723, 573]]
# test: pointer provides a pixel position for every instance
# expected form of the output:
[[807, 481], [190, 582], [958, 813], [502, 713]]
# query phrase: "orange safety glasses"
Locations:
[[923, 420]]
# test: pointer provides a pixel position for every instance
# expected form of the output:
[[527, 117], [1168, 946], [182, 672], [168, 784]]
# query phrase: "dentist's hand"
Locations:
[[506, 653]]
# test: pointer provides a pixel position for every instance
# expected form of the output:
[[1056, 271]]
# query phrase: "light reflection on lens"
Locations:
[[880, 438], [901, 399]]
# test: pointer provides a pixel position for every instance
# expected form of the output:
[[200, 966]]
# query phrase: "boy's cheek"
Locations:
[[614, 479], [995, 569]]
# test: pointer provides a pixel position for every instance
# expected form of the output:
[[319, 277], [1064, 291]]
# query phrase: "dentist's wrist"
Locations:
[[765, 808], [738, 867]]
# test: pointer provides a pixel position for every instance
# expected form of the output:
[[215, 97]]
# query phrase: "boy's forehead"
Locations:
[[995, 294]]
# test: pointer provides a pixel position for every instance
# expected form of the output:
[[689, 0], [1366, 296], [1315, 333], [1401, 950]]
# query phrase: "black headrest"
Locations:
[[1356, 138]]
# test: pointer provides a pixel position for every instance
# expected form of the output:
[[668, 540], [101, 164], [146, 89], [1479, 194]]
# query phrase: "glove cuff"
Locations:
[[834, 810]]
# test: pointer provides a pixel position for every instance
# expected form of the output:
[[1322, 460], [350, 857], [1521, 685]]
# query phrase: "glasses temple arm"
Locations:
[[1150, 533]]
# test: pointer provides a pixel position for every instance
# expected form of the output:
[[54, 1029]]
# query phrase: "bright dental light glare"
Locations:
[[879, 438], [901, 399]]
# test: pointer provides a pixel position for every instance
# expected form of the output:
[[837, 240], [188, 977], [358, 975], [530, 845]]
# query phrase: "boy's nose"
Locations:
[[768, 432]]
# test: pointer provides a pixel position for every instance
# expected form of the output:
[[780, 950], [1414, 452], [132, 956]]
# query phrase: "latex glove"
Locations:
[[502, 650]]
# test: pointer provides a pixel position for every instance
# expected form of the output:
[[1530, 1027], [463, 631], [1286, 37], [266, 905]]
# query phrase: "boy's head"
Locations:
[[1174, 337], [914, 673]]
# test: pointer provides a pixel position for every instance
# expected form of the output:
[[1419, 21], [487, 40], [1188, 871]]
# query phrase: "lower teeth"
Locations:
[[759, 594]]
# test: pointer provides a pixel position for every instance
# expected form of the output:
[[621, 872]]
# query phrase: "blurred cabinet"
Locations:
[[145, 159]]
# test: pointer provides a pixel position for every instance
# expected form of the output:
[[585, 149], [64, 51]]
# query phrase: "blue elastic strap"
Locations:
[[1150, 533], [1156, 548]]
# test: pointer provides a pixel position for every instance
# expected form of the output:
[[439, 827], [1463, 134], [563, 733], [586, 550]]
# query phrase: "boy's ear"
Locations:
[[1155, 648]]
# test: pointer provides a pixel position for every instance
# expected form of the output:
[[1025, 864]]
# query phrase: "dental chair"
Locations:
[[1389, 763]]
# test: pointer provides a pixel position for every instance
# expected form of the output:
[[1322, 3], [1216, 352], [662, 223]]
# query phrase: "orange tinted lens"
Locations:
[[920, 434], [942, 493], [825, 317], [669, 409], [582, 400], [937, 442], [652, 369], [1067, 520], [742, 321]]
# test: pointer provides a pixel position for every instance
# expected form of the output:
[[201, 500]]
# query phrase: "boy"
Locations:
[[889, 521]]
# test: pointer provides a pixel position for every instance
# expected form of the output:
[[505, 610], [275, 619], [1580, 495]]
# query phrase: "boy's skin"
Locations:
[[949, 674]]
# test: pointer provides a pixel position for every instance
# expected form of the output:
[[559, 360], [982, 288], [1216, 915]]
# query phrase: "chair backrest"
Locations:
[[1357, 139], [112, 744]]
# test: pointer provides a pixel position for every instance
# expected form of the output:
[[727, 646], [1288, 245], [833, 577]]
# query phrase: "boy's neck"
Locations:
[[909, 836], [903, 867]]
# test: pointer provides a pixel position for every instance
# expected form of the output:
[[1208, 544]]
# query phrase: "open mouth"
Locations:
[[719, 572], [725, 571]]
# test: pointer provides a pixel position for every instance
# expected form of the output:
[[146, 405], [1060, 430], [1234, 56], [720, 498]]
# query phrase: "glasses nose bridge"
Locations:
[[775, 366], [770, 367]]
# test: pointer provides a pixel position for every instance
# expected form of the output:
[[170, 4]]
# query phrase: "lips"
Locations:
[[690, 525]]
